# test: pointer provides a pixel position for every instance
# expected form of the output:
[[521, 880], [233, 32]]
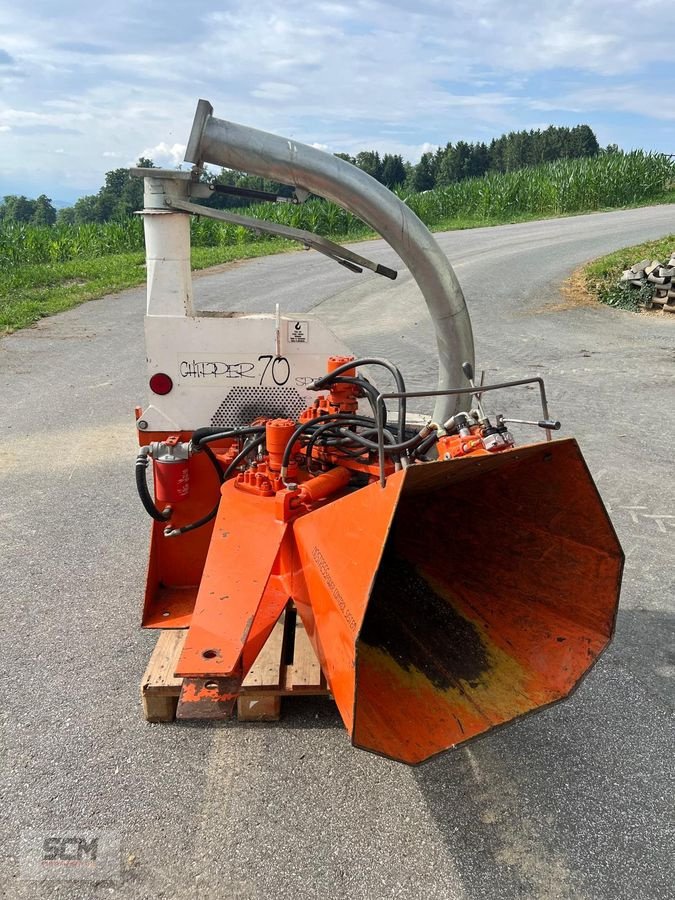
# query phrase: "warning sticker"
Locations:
[[298, 332]]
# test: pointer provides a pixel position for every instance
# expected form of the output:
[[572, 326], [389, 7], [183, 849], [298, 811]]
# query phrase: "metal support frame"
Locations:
[[334, 251], [380, 407]]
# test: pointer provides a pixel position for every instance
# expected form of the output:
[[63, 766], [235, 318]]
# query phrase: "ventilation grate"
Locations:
[[243, 404]]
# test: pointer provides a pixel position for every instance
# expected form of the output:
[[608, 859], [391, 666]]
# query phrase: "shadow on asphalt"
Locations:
[[570, 802], [296, 713], [645, 644]]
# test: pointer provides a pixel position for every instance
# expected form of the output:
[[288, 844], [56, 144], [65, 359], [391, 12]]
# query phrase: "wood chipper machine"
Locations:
[[449, 579]]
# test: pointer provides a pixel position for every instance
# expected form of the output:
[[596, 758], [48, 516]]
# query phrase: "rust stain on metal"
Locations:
[[418, 628], [208, 698]]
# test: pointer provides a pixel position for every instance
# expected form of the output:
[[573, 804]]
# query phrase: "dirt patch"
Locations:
[[574, 293]]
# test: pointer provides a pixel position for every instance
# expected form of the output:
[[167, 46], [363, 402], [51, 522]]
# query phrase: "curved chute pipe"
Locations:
[[224, 143]]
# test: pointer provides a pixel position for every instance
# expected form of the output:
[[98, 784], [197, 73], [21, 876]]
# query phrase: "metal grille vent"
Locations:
[[243, 404]]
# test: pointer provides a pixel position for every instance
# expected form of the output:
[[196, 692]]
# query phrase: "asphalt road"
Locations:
[[574, 802]]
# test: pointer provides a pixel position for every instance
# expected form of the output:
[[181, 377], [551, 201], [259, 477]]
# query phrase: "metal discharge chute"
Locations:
[[448, 579]]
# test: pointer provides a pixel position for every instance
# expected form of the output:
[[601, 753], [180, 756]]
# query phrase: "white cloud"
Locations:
[[164, 155], [400, 76], [275, 90]]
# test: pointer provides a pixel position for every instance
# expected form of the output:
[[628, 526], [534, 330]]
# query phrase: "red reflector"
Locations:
[[160, 383]]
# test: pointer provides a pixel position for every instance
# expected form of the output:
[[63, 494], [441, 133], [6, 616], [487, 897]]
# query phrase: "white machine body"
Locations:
[[226, 368]]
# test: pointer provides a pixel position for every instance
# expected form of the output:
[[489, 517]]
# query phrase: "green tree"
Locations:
[[85, 210], [583, 142], [17, 209], [424, 176], [393, 170], [370, 162], [66, 216], [44, 213]]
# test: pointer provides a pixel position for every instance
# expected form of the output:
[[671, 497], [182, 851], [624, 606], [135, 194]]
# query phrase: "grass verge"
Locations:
[[29, 293], [600, 278]]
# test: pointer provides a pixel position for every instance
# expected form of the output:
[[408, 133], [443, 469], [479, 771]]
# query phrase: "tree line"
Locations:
[[121, 194]]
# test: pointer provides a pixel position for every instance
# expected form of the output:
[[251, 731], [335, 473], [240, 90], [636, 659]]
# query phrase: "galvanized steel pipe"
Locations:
[[235, 146]]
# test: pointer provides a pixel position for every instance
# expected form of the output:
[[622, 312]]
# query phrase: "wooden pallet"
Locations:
[[286, 666]]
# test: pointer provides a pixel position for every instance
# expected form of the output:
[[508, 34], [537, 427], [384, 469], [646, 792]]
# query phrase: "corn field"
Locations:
[[566, 186]]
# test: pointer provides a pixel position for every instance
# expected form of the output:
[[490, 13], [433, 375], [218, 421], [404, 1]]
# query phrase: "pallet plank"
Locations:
[[266, 671], [305, 672], [269, 679], [159, 686], [259, 708]]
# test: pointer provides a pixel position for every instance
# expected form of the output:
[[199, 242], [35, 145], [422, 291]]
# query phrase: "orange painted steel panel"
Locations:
[[338, 552], [497, 591], [273, 603], [475, 591], [245, 542], [179, 562]]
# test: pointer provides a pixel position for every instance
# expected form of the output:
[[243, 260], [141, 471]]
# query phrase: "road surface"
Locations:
[[574, 802]]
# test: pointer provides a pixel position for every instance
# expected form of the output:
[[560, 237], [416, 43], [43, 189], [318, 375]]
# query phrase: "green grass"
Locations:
[[601, 277], [29, 293], [45, 270]]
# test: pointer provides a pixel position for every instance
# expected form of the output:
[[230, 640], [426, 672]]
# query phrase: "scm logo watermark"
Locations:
[[69, 849], [70, 855]]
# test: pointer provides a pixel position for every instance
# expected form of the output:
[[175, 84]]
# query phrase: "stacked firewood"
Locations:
[[657, 281]]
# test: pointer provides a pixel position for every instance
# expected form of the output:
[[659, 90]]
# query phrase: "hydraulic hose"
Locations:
[[426, 445], [206, 435], [326, 429], [313, 423], [243, 453], [392, 448], [142, 487], [214, 462], [320, 383]]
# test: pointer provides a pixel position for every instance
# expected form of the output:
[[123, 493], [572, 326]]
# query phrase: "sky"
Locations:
[[88, 87]]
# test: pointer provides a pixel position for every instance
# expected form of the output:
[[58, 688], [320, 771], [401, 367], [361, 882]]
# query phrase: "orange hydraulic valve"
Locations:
[[278, 433], [343, 396]]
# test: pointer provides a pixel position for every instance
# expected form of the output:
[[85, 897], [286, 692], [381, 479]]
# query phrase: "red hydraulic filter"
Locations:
[[172, 473]]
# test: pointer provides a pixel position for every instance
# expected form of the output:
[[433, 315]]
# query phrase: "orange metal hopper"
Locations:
[[461, 596]]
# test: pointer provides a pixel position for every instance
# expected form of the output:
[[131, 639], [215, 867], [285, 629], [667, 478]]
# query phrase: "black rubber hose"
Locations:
[[252, 445], [320, 383], [340, 441], [320, 421], [322, 429], [369, 389], [426, 445], [391, 448], [143, 490], [206, 435], [214, 462], [354, 436]]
